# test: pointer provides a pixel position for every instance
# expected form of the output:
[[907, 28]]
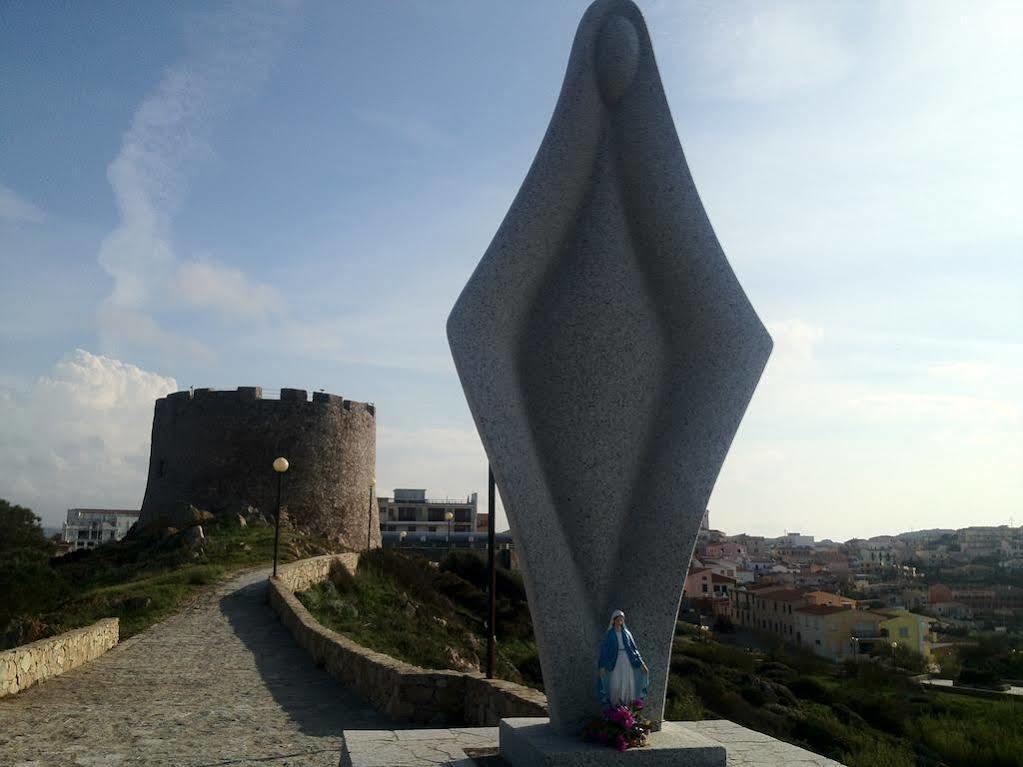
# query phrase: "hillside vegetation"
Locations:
[[864, 715], [140, 581]]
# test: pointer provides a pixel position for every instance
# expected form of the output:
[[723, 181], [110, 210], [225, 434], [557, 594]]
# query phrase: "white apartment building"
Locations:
[[88, 528], [411, 511]]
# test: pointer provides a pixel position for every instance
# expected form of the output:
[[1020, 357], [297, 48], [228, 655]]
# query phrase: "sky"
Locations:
[[294, 193]]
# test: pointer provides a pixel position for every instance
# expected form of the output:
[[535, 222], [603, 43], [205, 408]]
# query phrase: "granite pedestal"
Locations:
[[532, 742]]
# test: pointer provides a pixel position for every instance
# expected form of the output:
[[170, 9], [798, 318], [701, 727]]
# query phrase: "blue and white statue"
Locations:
[[623, 674]]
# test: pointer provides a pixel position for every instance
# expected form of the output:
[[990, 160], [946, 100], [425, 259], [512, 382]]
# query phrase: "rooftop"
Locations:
[[822, 609], [123, 512]]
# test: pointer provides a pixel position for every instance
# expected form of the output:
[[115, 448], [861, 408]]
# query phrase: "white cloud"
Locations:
[[843, 440], [15, 209], [132, 328], [230, 54], [79, 436], [754, 52], [794, 342], [225, 290]]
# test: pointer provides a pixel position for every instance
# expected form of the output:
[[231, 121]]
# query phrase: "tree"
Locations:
[[20, 528]]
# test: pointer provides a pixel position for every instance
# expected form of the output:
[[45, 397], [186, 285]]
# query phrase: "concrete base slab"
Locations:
[[436, 746], [530, 742]]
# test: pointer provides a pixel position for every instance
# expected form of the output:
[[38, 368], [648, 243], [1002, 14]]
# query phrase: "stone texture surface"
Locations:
[[214, 449], [221, 683], [747, 748], [401, 690], [424, 748], [607, 353], [534, 743], [24, 666], [414, 748]]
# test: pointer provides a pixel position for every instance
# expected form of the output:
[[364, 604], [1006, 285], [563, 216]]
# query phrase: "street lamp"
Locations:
[[895, 646], [280, 466], [449, 515], [401, 537], [491, 578]]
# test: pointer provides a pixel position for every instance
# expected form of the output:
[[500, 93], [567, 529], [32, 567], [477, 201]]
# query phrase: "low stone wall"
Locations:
[[306, 573], [399, 689], [27, 664]]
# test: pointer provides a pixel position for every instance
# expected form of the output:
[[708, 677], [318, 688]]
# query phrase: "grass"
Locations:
[[425, 614], [863, 715], [139, 581]]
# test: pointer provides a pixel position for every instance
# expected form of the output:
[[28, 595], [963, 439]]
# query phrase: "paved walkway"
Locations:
[[221, 684]]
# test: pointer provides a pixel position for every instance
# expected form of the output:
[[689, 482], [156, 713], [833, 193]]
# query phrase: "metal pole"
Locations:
[[491, 577], [277, 520]]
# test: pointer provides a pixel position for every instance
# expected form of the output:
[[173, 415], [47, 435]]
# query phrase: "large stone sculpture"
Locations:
[[607, 353]]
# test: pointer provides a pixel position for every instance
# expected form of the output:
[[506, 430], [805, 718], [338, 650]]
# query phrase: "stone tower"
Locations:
[[215, 449]]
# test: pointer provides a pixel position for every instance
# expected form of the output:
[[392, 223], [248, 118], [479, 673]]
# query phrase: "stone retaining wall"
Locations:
[[401, 690], [27, 664]]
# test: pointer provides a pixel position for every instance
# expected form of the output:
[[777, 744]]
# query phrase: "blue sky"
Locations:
[[293, 194]]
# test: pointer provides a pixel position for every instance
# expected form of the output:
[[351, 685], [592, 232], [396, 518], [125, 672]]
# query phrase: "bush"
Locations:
[[29, 585], [342, 580], [723, 625], [979, 677], [808, 688]]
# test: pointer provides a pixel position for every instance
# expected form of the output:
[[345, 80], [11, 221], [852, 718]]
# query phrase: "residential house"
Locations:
[[837, 633], [908, 629]]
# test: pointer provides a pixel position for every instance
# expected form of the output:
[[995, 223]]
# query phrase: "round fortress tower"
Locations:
[[215, 450]]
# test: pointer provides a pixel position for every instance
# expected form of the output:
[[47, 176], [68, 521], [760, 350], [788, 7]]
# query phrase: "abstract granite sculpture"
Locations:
[[607, 353]]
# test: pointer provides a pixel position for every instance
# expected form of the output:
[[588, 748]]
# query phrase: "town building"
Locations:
[[984, 541], [704, 583], [837, 633], [908, 629], [411, 511], [88, 528], [796, 540]]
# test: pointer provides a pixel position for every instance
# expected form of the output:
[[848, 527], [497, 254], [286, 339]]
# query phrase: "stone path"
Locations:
[[221, 684]]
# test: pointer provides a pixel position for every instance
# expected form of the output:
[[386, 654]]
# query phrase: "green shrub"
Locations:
[[808, 688], [879, 753]]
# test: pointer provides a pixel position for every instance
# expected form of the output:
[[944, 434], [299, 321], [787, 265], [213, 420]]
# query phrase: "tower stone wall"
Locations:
[[215, 450]]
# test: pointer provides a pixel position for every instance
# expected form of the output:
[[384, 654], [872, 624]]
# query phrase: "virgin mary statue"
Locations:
[[623, 674]]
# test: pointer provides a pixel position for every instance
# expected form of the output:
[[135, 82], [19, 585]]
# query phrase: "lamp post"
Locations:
[[369, 516], [401, 537], [280, 466], [491, 577], [895, 646], [448, 516]]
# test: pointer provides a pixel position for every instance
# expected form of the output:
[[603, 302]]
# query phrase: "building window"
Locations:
[[904, 632], [435, 513], [461, 515], [704, 588], [431, 529], [407, 514]]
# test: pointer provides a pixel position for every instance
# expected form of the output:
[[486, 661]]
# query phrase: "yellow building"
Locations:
[[908, 629], [837, 633]]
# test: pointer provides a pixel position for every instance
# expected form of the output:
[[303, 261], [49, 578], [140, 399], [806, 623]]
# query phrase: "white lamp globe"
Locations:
[[281, 465]]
